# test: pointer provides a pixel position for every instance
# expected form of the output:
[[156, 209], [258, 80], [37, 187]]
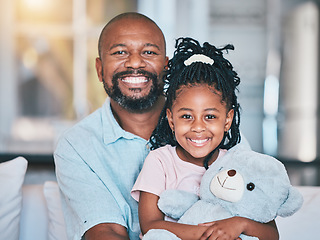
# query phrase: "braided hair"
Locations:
[[220, 75]]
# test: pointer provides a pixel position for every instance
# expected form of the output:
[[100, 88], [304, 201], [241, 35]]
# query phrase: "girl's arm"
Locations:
[[234, 226], [152, 218]]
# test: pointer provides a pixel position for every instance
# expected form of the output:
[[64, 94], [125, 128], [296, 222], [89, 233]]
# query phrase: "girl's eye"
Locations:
[[210, 117], [185, 116]]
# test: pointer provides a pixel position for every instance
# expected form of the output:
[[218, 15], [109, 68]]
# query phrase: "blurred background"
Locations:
[[48, 80]]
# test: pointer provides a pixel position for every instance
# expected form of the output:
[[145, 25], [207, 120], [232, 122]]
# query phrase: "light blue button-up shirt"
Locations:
[[97, 163]]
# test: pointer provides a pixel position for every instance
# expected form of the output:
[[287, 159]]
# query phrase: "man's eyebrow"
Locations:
[[123, 45], [117, 45], [152, 45]]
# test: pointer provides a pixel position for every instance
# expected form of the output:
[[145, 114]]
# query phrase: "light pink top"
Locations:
[[163, 169]]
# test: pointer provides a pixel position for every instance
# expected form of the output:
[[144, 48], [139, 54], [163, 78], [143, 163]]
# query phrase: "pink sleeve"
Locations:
[[151, 178]]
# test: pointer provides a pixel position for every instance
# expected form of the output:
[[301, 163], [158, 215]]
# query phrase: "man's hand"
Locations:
[[107, 231]]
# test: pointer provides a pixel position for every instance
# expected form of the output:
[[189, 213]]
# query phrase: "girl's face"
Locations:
[[199, 119]]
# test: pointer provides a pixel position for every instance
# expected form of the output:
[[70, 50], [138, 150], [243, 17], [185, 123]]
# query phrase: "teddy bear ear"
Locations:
[[292, 204]]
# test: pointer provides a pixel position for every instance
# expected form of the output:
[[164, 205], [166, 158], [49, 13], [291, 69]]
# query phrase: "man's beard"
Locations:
[[134, 104]]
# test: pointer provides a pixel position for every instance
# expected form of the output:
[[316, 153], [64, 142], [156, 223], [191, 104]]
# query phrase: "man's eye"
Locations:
[[119, 53], [150, 52]]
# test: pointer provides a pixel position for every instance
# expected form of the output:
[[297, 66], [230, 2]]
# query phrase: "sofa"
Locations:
[[28, 211], [33, 211]]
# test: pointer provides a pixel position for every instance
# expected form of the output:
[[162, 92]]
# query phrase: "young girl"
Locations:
[[199, 123]]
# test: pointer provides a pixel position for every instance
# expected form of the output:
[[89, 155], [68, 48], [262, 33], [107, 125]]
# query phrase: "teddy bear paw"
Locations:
[[159, 234]]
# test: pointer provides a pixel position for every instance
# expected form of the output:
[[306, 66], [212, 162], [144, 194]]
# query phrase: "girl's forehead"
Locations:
[[198, 97], [192, 94], [197, 87]]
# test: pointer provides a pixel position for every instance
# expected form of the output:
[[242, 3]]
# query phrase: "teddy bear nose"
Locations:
[[231, 173]]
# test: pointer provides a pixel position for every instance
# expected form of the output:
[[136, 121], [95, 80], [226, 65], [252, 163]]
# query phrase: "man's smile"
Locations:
[[135, 80]]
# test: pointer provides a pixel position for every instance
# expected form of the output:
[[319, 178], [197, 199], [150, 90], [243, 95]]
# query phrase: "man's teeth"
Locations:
[[199, 141], [135, 79]]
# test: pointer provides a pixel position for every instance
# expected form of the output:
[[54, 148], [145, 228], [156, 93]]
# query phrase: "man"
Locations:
[[98, 160]]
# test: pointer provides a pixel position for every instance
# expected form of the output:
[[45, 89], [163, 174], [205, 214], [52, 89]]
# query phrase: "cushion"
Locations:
[[12, 175], [56, 229], [305, 223], [34, 213]]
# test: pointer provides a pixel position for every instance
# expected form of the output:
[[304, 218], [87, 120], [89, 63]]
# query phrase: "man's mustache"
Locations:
[[135, 72]]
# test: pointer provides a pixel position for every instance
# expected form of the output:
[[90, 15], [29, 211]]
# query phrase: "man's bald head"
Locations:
[[125, 16]]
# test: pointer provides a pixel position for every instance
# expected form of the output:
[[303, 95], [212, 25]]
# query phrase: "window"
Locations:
[[47, 68]]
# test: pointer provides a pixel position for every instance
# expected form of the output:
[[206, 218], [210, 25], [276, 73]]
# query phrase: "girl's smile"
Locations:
[[199, 120], [199, 142]]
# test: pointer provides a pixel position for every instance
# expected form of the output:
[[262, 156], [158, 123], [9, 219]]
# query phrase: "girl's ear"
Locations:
[[170, 119], [229, 120]]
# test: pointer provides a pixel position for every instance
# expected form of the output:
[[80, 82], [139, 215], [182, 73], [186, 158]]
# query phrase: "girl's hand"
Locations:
[[226, 229]]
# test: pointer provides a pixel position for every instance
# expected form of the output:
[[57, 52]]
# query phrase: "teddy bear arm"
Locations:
[[174, 203], [292, 204], [159, 234], [245, 237]]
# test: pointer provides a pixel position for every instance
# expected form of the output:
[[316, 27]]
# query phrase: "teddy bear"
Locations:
[[242, 183]]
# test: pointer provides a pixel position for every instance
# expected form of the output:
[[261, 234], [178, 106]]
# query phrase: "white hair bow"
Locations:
[[198, 58]]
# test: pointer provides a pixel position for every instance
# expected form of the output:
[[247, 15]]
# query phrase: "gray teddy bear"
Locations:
[[245, 183]]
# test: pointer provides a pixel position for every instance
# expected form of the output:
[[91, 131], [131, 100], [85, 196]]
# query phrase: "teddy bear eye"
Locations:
[[250, 186]]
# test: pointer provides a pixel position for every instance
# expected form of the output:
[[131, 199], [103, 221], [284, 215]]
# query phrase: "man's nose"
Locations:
[[135, 60]]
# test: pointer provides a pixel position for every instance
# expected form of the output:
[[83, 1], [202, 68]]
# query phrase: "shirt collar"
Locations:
[[111, 128]]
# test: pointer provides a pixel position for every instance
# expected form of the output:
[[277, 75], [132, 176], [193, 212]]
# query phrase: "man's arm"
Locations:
[[86, 199], [107, 231]]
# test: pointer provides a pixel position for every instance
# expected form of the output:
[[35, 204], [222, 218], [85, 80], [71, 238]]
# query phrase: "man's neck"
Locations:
[[140, 124]]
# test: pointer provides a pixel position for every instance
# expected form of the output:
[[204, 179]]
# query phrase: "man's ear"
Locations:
[[99, 69], [229, 120], [170, 119]]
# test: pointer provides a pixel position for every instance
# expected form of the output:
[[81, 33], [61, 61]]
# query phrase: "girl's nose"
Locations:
[[198, 125], [135, 61]]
